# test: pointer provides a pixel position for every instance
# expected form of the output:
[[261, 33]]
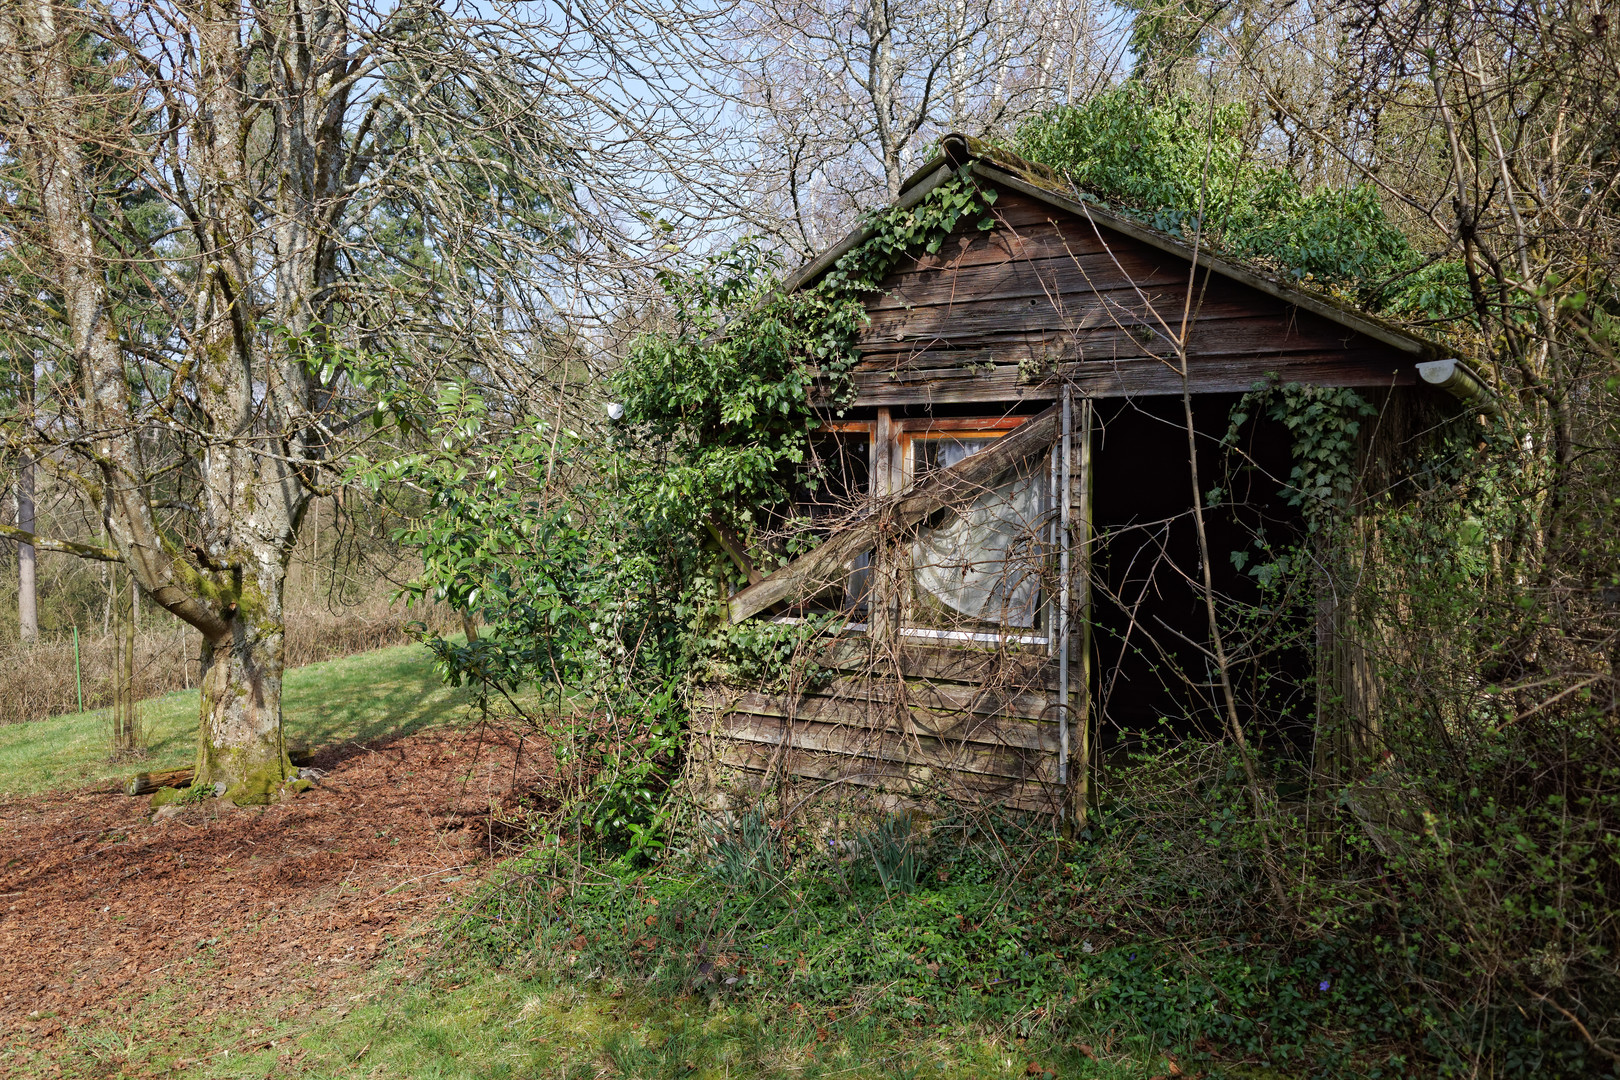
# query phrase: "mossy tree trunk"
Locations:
[[240, 743], [255, 418]]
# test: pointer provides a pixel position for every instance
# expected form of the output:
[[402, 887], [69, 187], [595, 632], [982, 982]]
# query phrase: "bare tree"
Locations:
[[27, 558], [1491, 133], [842, 96], [266, 230]]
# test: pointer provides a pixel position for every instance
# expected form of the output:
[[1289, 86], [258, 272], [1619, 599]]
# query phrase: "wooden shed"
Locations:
[[1009, 549]]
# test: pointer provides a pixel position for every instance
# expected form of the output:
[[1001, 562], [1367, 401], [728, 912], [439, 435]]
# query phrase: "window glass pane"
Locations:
[[859, 583], [983, 560], [931, 454]]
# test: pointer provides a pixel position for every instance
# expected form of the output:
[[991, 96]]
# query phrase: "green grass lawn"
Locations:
[[365, 697], [473, 1022], [476, 1023]]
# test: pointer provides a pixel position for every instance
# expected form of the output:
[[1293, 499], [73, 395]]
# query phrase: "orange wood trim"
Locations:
[[925, 425]]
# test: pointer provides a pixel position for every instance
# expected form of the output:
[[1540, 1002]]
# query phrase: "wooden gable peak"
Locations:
[[1007, 170]]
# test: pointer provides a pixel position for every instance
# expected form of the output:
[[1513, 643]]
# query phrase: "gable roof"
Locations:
[[961, 152]]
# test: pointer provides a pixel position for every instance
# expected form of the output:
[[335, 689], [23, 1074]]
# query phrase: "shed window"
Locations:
[[979, 562], [973, 568], [838, 491]]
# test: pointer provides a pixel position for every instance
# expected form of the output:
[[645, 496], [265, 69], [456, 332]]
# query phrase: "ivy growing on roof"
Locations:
[[1185, 168]]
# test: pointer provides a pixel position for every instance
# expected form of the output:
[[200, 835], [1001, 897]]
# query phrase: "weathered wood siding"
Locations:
[[1004, 317], [1000, 315], [923, 722]]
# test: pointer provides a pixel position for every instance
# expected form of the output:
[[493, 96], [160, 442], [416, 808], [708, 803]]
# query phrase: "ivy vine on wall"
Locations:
[[588, 556], [722, 402], [1324, 426]]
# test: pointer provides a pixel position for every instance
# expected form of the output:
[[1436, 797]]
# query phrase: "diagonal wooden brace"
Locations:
[[948, 487]]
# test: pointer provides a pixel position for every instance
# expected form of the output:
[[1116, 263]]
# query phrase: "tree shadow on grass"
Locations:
[[374, 697], [366, 698]]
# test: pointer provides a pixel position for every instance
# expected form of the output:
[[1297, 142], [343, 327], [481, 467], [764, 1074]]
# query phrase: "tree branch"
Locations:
[[64, 547]]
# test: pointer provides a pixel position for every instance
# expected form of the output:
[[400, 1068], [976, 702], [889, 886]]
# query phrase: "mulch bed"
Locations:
[[100, 906]]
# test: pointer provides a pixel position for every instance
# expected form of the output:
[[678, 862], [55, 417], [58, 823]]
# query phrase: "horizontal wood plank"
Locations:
[[1027, 795], [1012, 382], [1062, 280], [962, 663], [944, 698], [909, 749], [1041, 273], [1066, 315], [1039, 233], [876, 714], [1237, 335], [1036, 364]]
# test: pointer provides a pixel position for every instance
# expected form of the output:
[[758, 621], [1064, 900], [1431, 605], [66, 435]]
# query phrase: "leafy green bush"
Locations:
[[1187, 169]]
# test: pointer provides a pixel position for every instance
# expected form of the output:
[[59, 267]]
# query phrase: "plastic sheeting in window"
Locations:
[[983, 560]]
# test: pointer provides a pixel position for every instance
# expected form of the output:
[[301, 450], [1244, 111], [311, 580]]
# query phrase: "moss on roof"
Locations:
[[962, 151]]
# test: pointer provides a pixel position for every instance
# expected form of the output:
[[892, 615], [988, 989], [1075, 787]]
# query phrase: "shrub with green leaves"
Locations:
[[591, 556], [1186, 167]]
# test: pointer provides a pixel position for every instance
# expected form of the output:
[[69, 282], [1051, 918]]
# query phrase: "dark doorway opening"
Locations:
[[1152, 669]]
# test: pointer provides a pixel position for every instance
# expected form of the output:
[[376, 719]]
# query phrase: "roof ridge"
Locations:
[[958, 149]]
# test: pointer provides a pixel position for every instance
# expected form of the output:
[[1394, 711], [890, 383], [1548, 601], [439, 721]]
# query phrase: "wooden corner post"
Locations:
[[882, 599], [1083, 788], [1074, 610]]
